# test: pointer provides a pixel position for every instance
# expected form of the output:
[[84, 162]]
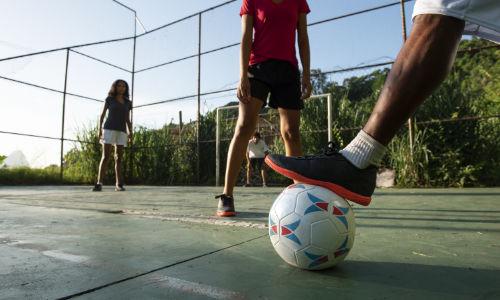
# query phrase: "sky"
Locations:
[[35, 25]]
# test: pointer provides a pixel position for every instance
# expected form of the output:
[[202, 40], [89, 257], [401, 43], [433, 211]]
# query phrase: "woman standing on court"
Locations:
[[268, 67], [118, 106]]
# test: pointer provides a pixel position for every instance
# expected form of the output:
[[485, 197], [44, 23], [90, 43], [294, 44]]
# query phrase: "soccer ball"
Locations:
[[311, 227]]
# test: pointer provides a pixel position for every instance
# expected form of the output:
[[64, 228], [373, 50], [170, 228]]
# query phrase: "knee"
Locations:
[[290, 134], [118, 159], [244, 129]]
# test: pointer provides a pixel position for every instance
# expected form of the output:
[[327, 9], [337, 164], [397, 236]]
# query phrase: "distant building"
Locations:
[[15, 160]]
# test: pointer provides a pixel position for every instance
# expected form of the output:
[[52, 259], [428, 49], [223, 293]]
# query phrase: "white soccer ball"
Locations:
[[311, 227]]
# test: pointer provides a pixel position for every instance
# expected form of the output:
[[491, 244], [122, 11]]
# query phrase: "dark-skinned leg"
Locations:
[[421, 66]]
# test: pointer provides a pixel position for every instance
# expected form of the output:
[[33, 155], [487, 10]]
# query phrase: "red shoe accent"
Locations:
[[339, 190], [226, 213]]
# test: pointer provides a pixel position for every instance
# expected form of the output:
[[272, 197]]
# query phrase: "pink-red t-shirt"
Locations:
[[275, 26]]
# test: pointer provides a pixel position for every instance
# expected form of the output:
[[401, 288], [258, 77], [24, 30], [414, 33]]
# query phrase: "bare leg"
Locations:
[[245, 127], [103, 165], [249, 173], [421, 66], [264, 176], [289, 126], [118, 164]]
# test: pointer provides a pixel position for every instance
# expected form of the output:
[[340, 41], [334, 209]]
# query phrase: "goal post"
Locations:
[[219, 110]]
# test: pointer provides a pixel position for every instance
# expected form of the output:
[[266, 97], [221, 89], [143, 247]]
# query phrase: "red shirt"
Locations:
[[274, 26]]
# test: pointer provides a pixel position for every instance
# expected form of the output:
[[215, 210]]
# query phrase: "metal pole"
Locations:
[[133, 73], [217, 149], [411, 127], [64, 115], [217, 141], [129, 165], [130, 159], [330, 111], [198, 116], [180, 126]]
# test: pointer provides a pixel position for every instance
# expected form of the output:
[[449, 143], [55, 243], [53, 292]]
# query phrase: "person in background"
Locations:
[[256, 152], [114, 133]]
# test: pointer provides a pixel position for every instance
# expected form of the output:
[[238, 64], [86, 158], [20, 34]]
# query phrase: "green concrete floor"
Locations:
[[165, 243]]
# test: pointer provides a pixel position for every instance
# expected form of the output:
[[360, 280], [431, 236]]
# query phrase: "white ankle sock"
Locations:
[[364, 151]]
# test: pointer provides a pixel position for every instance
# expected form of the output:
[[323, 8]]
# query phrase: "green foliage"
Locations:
[[465, 153], [411, 165], [82, 161], [2, 158], [25, 175]]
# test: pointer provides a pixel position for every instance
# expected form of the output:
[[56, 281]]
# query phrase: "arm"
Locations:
[[129, 126], [101, 119], [305, 55], [248, 156], [246, 45]]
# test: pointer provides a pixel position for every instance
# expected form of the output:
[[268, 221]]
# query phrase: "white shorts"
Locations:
[[482, 17], [114, 137]]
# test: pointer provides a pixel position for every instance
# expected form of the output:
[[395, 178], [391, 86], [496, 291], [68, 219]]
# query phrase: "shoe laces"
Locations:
[[330, 149]]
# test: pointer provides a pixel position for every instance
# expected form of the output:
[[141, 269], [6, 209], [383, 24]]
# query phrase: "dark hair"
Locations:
[[112, 90], [257, 135]]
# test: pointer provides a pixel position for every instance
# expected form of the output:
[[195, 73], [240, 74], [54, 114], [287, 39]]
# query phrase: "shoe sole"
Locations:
[[337, 189], [226, 213]]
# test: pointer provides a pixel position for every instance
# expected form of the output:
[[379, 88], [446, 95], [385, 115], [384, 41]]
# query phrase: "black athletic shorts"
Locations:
[[278, 78], [256, 163]]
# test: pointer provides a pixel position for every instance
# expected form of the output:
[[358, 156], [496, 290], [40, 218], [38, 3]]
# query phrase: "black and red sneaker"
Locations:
[[330, 170], [226, 206]]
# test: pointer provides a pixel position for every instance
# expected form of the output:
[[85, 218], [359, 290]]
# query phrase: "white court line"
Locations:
[[65, 256], [196, 288], [203, 220]]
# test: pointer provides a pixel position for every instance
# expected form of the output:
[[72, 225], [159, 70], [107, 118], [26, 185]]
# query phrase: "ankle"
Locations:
[[364, 151]]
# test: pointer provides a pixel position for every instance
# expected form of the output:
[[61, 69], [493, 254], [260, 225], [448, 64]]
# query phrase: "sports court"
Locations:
[[60, 61], [166, 243]]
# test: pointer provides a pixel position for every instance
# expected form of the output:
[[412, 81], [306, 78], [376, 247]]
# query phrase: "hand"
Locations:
[[243, 92], [130, 138], [306, 87]]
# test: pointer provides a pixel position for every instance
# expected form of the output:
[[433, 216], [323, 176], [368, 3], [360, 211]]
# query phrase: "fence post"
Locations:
[[61, 175], [217, 149], [130, 165], [198, 117], [180, 126], [329, 111]]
